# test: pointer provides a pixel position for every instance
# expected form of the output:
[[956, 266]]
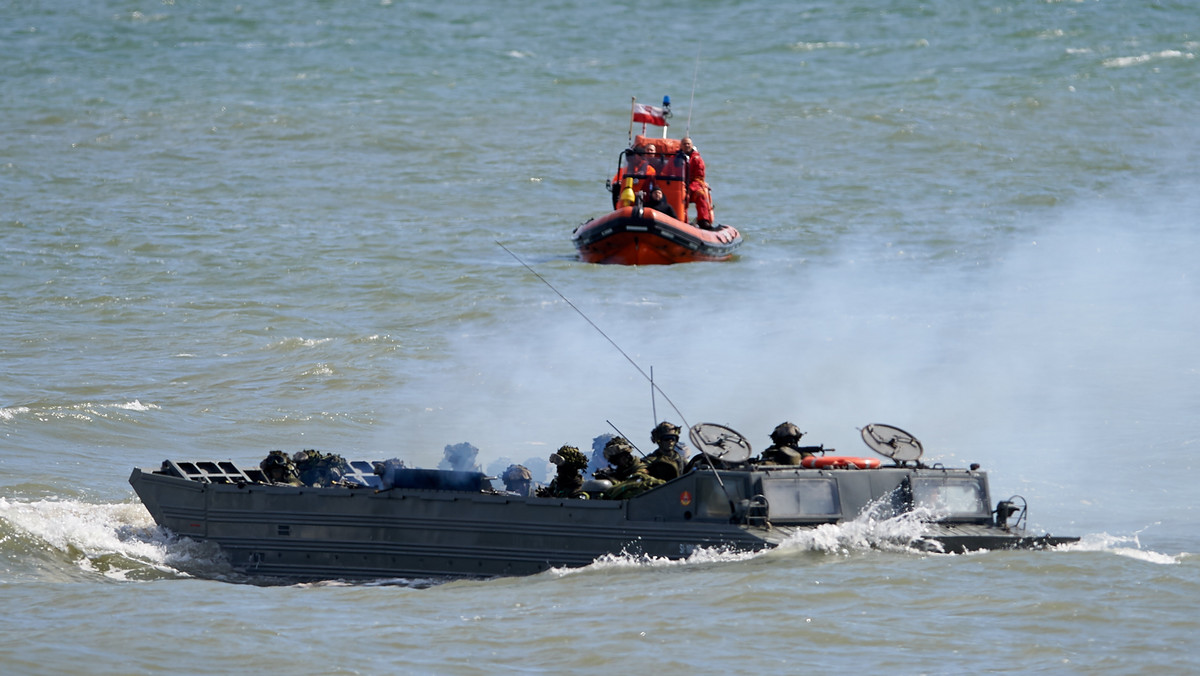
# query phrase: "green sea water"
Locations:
[[232, 227]]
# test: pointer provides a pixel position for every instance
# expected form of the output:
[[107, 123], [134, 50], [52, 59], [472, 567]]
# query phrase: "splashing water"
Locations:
[[118, 541], [1128, 546]]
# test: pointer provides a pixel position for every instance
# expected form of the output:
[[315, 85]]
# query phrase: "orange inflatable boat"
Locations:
[[634, 233]]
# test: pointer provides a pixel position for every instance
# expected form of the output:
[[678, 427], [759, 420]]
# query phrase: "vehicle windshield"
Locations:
[[957, 496], [791, 497]]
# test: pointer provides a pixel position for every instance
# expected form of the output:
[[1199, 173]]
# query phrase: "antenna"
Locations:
[[653, 386], [691, 103], [622, 435], [653, 404]]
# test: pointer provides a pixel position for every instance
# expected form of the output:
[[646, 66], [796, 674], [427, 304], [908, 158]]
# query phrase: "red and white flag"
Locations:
[[649, 115]]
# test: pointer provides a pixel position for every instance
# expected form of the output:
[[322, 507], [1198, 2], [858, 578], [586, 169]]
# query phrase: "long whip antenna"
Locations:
[[654, 386], [653, 403], [691, 102], [622, 435]]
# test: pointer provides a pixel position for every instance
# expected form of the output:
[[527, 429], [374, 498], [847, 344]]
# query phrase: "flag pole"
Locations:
[[632, 104]]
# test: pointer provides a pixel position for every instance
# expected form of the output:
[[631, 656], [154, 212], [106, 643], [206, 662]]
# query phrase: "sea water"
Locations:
[[227, 228]]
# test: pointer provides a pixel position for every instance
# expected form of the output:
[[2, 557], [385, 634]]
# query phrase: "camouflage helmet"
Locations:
[[664, 430], [276, 460], [517, 473], [615, 447], [569, 457], [786, 432]]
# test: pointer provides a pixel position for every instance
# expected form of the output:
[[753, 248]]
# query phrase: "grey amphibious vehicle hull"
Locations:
[[451, 524]]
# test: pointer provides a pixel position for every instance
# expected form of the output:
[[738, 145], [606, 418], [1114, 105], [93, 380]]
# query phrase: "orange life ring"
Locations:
[[838, 462]]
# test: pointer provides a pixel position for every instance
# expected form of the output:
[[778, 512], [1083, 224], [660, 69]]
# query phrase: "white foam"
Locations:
[[626, 560], [867, 532], [1121, 545], [79, 411], [289, 343], [863, 533], [137, 405], [113, 540], [10, 412], [1125, 61]]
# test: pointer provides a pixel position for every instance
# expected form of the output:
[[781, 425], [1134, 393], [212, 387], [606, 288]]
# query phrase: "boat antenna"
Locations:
[[653, 387], [622, 435], [695, 73], [653, 403]]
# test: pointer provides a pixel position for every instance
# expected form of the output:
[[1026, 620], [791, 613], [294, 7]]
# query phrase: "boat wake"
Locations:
[[867, 533], [71, 539], [904, 534], [1128, 546]]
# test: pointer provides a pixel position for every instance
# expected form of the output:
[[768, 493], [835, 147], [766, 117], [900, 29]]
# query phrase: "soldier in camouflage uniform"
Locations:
[[319, 469], [386, 470], [786, 449], [666, 462], [568, 479], [627, 473], [518, 479], [279, 469]]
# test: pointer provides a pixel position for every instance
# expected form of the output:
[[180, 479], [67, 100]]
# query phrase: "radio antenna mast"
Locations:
[[653, 403], [653, 386], [695, 73]]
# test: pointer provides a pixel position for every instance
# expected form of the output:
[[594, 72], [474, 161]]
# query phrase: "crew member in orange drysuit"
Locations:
[[637, 167], [641, 170], [698, 193]]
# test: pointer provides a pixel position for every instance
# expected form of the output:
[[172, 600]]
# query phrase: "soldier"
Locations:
[[386, 470], [568, 479], [628, 474], [597, 461], [785, 450], [666, 462], [279, 469], [518, 479], [319, 469]]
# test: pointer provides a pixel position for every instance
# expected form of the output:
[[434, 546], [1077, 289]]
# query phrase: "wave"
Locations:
[[1126, 61], [79, 411], [69, 538], [866, 533], [1128, 546]]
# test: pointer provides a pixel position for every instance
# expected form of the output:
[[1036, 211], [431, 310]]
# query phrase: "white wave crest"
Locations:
[[10, 412], [85, 411], [869, 531], [299, 343], [119, 541], [1125, 61], [814, 46], [627, 560], [1121, 545], [137, 405]]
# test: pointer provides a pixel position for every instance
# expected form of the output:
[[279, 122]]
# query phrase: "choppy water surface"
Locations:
[[228, 228]]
